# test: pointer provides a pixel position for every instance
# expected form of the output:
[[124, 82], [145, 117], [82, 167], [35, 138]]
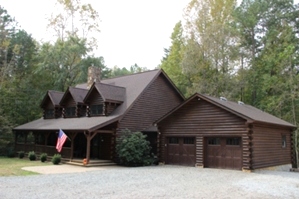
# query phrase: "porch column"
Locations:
[[89, 136]]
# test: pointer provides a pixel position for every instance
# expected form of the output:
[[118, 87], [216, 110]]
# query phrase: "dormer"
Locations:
[[72, 102], [50, 105], [103, 99]]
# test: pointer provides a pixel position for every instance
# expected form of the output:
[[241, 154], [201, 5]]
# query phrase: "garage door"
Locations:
[[181, 151], [223, 153]]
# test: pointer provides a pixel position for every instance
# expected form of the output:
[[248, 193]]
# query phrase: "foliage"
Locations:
[[6, 136], [21, 154], [74, 19], [133, 149], [13, 166], [172, 62], [43, 157], [56, 159], [32, 155]]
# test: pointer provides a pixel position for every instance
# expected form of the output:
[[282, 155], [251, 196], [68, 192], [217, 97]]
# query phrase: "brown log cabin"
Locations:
[[93, 114], [200, 131], [217, 133]]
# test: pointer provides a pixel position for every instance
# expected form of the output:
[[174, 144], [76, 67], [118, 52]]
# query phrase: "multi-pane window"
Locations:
[[233, 141], [96, 109], [213, 141], [70, 111], [173, 140], [188, 140], [284, 141], [49, 113]]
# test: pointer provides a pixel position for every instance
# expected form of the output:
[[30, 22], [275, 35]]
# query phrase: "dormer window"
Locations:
[[96, 110], [49, 113], [70, 111]]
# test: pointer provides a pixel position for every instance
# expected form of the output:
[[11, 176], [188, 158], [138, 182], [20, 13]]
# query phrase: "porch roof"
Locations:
[[68, 124]]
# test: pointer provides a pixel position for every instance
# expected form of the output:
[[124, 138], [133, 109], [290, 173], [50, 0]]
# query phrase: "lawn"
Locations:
[[13, 166]]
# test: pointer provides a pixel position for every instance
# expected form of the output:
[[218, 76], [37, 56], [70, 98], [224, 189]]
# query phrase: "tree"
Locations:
[[210, 52], [61, 62], [76, 20], [172, 62]]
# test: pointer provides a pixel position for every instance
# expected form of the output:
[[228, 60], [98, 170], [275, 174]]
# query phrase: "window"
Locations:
[[188, 140], [96, 109], [70, 111], [233, 141], [49, 113], [173, 140], [284, 141], [214, 141]]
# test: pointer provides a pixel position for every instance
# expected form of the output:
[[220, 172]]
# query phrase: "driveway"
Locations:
[[153, 182]]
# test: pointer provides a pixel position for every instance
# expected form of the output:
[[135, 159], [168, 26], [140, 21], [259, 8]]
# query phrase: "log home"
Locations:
[[94, 114]]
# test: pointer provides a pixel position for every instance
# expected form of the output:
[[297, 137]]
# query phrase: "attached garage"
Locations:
[[217, 133], [180, 151]]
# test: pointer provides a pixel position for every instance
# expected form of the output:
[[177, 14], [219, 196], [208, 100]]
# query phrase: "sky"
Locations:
[[132, 31]]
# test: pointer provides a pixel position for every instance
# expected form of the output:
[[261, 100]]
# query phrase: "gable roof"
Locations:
[[133, 85], [78, 94], [247, 112], [109, 93], [54, 96]]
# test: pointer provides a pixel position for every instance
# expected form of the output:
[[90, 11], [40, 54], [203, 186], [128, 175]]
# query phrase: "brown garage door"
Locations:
[[181, 151], [223, 153]]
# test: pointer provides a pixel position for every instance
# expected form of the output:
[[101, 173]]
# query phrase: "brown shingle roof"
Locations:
[[54, 96], [245, 111], [78, 94], [134, 85], [110, 93]]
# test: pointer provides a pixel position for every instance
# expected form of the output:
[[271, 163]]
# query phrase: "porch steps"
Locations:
[[92, 163]]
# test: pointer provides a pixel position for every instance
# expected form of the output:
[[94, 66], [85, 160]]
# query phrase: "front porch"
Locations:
[[96, 147]]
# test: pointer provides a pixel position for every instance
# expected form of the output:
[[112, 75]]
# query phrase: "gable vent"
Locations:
[[223, 99], [240, 103]]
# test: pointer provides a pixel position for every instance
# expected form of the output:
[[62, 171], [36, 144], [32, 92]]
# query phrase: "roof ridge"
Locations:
[[110, 85], [131, 74]]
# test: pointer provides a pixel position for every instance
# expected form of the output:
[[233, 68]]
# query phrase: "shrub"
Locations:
[[21, 154], [133, 149], [10, 152], [56, 159], [31, 155], [43, 157]]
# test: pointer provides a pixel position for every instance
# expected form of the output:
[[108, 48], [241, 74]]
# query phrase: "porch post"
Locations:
[[89, 137]]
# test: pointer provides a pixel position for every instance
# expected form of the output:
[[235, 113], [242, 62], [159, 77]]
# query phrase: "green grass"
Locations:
[[13, 166]]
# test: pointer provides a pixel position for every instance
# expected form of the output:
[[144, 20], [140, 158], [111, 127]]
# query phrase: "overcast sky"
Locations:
[[132, 31]]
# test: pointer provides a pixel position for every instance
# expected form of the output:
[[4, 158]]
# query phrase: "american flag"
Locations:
[[60, 141]]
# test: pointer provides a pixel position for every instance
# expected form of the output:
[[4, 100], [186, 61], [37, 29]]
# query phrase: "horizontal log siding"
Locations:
[[267, 148], [94, 98], [157, 100], [200, 119]]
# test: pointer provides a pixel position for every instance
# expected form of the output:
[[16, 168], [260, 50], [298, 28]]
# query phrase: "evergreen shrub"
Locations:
[[56, 159], [133, 149]]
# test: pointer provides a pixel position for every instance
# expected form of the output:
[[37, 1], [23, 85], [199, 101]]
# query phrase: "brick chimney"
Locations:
[[94, 75]]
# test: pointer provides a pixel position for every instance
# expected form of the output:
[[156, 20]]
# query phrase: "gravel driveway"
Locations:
[[153, 182]]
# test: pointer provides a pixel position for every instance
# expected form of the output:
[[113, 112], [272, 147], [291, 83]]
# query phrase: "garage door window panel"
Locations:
[[213, 141]]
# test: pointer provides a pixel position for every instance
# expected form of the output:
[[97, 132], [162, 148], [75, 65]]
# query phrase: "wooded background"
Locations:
[[246, 51]]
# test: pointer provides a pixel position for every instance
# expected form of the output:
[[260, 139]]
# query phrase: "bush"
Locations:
[[21, 154], [56, 159], [31, 155], [133, 149], [10, 152], [43, 157]]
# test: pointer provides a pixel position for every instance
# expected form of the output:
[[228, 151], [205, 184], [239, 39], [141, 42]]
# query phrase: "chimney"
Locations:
[[93, 75]]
